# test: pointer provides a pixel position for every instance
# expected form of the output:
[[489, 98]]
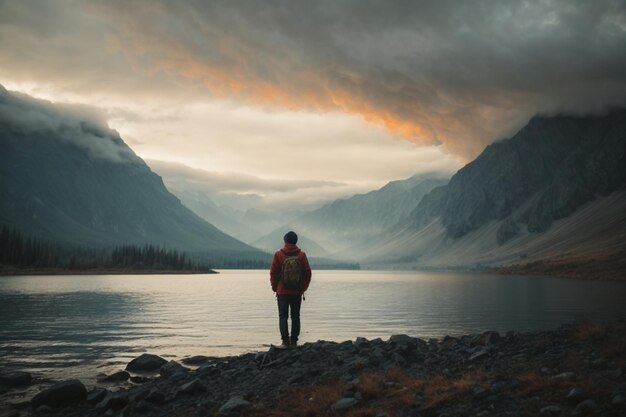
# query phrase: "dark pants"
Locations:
[[285, 303]]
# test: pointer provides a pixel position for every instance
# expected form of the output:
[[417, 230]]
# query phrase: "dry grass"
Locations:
[[393, 390], [534, 382], [591, 330], [307, 401]]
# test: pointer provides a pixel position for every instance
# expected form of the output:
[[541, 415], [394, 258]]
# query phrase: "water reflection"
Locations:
[[72, 326]]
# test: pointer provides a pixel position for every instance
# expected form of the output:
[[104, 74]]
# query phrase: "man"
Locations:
[[290, 276]]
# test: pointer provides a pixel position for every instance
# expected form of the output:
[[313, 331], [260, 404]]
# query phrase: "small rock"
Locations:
[[44, 409], [171, 368], [14, 379], [545, 370], [480, 354], [479, 392], [400, 338], [234, 404], [198, 359], [142, 406], [585, 407], [178, 376], [115, 377], [549, 411], [114, 401], [487, 338], [97, 395], [139, 379], [61, 394], [345, 403], [565, 375], [192, 387], [155, 396], [146, 362], [575, 395], [618, 400]]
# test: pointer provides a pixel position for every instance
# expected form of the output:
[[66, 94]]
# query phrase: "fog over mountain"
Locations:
[[346, 223], [555, 190], [66, 177]]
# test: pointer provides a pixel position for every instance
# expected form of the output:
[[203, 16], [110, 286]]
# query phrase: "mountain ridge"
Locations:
[[69, 178]]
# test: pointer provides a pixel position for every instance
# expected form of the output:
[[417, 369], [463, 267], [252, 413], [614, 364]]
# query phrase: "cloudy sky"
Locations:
[[316, 98]]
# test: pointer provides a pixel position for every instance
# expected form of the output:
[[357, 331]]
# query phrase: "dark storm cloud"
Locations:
[[459, 73]]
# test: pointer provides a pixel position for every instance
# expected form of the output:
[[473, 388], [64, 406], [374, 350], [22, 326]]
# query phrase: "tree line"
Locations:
[[29, 252]]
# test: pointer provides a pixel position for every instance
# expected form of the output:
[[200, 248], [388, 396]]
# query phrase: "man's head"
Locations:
[[291, 237]]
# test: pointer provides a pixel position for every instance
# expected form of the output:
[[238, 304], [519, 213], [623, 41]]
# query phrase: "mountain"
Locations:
[[345, 223], [65, 176], [245, 216], [550, 189], [274, 241]]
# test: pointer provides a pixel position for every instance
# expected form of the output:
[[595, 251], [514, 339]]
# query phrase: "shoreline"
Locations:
[[577, 369], [99, 271]]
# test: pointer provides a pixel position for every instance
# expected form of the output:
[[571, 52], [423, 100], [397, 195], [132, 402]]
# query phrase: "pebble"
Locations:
[[550, 410], [585, 407], [234, 404], [575, 395], [345, 403]]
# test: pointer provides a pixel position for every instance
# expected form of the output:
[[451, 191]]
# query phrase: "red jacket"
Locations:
[[277, 266]]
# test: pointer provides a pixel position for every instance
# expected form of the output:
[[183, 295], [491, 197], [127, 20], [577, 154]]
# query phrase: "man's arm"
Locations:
[[306, 272], [274, 272]]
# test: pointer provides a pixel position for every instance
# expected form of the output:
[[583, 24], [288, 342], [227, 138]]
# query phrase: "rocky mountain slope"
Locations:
[[65, 176], [555, 188]]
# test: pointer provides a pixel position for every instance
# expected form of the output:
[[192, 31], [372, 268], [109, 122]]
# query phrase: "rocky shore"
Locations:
[[576, 370]]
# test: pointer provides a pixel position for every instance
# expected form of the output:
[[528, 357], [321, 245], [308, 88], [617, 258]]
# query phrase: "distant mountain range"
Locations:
[[346, 223], [66, 177], [554, 192]]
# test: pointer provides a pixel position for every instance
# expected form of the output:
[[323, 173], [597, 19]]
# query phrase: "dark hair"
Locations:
[[291, 237]]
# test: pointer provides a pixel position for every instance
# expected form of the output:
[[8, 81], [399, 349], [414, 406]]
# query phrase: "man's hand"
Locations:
[[273, 288]]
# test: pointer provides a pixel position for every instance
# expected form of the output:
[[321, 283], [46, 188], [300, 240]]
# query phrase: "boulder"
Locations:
[[146, 362], [171, 368], [61, 394], [14, 379]]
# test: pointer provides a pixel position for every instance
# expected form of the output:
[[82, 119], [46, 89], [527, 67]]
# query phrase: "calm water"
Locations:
[[60, 326]]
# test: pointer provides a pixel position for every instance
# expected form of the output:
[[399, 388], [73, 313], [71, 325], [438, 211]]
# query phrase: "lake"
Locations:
[[78, 326]]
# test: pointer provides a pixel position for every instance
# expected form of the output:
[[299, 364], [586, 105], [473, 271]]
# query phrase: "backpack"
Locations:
[[291, 275]]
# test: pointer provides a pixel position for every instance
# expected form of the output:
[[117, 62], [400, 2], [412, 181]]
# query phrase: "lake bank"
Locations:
[[575, 370], [9, 271]]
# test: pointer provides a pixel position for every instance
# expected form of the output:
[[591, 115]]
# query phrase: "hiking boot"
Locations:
[[293, 344], [284, 345]]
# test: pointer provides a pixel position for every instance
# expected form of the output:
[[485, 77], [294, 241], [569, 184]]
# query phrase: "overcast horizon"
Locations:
[[303, 102]]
